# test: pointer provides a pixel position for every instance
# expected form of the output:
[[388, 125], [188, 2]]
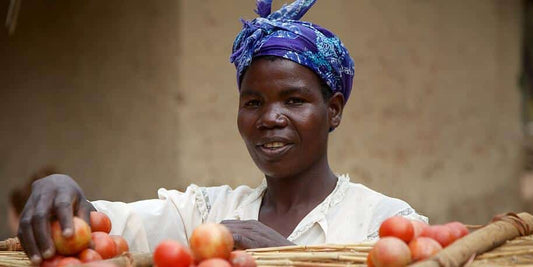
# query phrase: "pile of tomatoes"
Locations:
[[403, 241], [211, 245], [77, 249]]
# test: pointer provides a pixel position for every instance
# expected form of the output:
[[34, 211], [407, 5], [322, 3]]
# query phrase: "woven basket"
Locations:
[[506, 242], [518, 251]]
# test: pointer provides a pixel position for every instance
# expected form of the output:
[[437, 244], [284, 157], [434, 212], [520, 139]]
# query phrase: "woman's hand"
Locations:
[[254, 234], [56, 196]]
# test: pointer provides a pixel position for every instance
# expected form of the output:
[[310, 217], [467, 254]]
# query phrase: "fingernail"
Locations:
[[67, 232], [35, 259], [48, 253]]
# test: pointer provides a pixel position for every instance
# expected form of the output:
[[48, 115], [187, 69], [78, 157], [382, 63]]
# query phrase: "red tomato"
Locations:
[[239, 258], [170, 253], [214, 262], [423, 248], [68, 261], [390, 252], [397, 226], [122, 245], [440, 233], [89, 255], [100, 222], [457, 229], [52, 262], [104, 245]]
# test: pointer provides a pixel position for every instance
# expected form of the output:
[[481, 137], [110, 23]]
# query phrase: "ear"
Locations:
[[335, 107]]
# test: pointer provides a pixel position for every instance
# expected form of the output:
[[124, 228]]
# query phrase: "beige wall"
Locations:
[[127, 96]]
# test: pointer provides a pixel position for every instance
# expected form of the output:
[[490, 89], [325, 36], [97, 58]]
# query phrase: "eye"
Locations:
[[252, 103], [295, 101]]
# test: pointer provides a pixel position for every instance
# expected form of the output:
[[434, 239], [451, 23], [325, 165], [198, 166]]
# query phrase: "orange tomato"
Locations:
[[122, 245], [211, 240], [88, 255], [423, 248], [100, 222], [214, 262], [74, 244], [104, 245], [440, 233], [390, 252]]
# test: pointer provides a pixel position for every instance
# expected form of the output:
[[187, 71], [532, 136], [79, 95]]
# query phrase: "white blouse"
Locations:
[[352, 213]]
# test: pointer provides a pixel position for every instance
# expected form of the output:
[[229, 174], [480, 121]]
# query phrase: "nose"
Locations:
[[272, 117]]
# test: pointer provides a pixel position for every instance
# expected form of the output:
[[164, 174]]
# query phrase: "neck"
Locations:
[[306, 189]]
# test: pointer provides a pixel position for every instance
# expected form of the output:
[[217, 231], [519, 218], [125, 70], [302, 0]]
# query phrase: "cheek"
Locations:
[[314, 122], [244, 122]]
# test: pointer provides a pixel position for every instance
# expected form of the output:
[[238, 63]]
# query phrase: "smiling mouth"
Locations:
[[274, 145], [274, 149]]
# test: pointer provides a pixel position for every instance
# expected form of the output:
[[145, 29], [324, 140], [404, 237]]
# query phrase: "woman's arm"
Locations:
[[254, 234]]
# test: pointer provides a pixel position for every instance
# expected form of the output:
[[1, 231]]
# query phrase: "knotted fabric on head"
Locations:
[[282, 34]]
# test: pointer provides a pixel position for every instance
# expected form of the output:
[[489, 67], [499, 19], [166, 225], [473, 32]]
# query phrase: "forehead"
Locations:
[[278, 72]]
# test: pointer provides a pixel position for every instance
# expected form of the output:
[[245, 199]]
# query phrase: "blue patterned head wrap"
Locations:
[[282, 34]]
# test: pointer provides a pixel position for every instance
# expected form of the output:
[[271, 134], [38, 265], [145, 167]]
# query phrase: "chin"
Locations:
[[277, 173]]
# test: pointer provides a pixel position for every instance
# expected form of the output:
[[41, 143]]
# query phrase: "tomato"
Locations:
[[239, 258], [457, 229], [100, 264], [100, 222], [214, 262], [122, 245], [369, 260], [397, 226], [423, 248], [440, 233], [171, 253], [211, 240], [52, 262], [390, 252], [77, 242], [418, 227], [68, 261], [89, 255], [104, 245]]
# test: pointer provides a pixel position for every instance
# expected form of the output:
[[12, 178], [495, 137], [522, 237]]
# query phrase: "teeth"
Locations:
[[274, 145]]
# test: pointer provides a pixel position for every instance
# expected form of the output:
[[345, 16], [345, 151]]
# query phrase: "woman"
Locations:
[[294, 79]]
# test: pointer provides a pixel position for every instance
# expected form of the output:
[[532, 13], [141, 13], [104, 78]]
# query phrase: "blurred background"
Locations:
[[129, 96]]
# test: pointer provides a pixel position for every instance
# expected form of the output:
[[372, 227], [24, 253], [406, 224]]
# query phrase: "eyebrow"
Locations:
[[284, 93], [292, 90]]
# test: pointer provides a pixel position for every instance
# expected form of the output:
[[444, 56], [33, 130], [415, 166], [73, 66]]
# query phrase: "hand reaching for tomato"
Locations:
[[254, 234], [57, 195]]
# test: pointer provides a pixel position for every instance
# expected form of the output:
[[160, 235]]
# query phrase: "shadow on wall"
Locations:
[[19, 195]]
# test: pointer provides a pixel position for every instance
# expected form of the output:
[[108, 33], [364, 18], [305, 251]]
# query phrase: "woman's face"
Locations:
[[283, 117]]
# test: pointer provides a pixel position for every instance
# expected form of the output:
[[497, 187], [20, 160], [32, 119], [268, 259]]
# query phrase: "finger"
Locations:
[[63, 208], [236, 224], [243, 242], [236, 241], [25, 235], [84, 211], [41, 226]]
